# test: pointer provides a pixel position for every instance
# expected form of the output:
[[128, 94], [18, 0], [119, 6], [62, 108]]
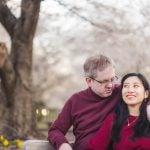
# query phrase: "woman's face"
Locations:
[[133, 91]]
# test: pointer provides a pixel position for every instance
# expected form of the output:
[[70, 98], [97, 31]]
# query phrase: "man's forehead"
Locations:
[[107, 73]]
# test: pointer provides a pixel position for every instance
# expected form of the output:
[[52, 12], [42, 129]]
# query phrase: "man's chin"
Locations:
[[108, 94]]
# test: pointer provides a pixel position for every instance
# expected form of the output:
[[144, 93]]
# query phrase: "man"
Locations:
[[87, 109]]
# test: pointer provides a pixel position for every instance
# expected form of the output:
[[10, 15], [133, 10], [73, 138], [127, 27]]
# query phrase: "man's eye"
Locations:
[[105, 81]]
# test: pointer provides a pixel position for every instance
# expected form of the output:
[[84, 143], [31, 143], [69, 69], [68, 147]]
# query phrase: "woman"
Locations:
[[128, 128]]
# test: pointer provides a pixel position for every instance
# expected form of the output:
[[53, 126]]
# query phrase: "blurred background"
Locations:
[[69, 31]]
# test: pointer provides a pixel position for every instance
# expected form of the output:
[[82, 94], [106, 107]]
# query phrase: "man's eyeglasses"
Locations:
[[112, 80]]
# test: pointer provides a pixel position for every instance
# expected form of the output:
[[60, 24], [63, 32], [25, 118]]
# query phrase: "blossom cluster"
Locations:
[[4, 142]]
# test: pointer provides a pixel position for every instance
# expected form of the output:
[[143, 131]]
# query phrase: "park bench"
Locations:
[[37, 145]]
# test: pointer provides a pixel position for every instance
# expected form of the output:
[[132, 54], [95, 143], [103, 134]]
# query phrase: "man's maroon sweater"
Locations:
[[86, 111]]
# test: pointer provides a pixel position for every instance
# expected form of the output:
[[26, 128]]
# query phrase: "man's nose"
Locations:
[[110, 84]]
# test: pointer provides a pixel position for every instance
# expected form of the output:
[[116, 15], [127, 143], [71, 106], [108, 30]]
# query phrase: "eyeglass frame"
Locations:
[[112, 80]]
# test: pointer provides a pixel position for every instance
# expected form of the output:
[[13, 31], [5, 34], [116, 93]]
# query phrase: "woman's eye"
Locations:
[[136, 86], [125, 85]]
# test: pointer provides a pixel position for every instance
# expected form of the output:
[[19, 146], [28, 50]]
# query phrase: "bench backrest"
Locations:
[[37, 145]]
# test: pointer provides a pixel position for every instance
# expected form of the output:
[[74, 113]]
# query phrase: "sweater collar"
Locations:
[[97, 97]]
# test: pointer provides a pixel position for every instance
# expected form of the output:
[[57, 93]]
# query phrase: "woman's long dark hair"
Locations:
[[142, 126]]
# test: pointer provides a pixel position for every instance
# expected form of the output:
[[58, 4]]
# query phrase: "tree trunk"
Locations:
[[16, 104]]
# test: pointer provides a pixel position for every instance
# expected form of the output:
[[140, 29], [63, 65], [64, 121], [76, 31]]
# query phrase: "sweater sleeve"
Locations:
[[56, 134], [148, 111], [101, 140]]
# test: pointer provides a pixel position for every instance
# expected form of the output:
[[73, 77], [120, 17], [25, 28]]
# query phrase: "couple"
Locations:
[[88, 109]]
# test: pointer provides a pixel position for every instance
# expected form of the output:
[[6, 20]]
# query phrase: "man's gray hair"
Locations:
[[96, 63]]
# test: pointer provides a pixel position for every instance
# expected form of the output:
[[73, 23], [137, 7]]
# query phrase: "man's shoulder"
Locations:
[[116, 92], [77, 96], [79, 93], [117, 89], [111, 116]]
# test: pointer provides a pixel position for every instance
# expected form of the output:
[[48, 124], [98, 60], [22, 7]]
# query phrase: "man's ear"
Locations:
[[88, 81]]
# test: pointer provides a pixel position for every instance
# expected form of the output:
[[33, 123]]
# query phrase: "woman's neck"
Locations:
[[134, 110]]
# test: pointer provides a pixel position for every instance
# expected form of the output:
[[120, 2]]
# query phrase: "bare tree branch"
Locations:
[[77, 14], [105, 26], [29, 17], [7, 19]]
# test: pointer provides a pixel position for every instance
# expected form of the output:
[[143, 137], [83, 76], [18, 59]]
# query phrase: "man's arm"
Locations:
[[56, 134], [101, 140]]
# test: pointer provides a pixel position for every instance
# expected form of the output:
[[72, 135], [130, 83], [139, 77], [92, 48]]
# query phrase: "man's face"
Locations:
[[103, 83]]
